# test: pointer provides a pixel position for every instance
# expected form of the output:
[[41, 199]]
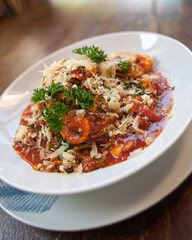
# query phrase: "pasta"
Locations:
[[93, 112]]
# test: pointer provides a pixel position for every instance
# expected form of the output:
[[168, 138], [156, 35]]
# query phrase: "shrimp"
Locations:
[[144, 61], [117, 150], [76, 130], [133, 71], [141, 64]]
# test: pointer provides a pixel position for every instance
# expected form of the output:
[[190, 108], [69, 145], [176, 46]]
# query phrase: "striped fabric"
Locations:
[[13, 199]]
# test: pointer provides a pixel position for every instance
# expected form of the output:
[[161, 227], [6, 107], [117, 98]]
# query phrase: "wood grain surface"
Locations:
[[45, 27]]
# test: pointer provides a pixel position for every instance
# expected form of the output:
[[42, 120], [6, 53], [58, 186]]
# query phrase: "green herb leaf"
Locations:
[[173, 88], [128, 85], [55, 89], [124, 65], [102, 110], [94, 53], [95, 168], [132, 84], [76, 133], [107, 131], [138, 94], [38, 95], [80, 97], [54, 116], [96, 118]]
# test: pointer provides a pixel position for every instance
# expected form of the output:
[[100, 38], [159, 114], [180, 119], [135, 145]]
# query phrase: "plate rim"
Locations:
[[167, 191], [43, 59], [115, 178]]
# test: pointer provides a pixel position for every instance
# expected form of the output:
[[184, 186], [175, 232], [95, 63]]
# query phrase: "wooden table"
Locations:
[[40, 30]]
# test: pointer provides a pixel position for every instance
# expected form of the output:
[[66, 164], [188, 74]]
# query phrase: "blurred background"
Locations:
[[31, 29]]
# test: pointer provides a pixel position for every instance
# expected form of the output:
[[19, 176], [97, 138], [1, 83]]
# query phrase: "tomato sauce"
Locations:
[[29, 154], [95, 126]]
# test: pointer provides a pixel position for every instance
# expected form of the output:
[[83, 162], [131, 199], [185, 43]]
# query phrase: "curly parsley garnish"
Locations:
[[124, 66], [38, 95], [55, 112], [80, 97], [94, 53], [49, 93], [55, 115], [54, 90]]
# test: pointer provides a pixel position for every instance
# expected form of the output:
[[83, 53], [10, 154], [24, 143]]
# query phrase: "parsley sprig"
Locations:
[[79, 97], [54, 90], [38, 95], [51, 92], [124, 66], [94, 53], [54, 116], [55, 112]]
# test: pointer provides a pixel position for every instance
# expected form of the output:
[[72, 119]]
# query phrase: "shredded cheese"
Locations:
[[21, 133]]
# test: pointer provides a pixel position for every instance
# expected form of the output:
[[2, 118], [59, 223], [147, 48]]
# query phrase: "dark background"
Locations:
[[29, 30]]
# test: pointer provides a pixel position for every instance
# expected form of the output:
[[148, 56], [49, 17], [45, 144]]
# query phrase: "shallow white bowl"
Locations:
[[171, 57]]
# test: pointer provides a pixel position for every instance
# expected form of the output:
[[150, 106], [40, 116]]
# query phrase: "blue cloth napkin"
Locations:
[[14, 199]]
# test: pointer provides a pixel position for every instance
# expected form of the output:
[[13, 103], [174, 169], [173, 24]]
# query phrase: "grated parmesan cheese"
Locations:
[[47, 133], [93, 152], [57, 152], [21, 133], [79, 169], [108, 68], [80, 112], [75, 63], [135, 152], [68, 156], [147, 99]]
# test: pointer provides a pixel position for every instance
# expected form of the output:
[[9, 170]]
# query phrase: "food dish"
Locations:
[[19, 174], [93, 112], [142, 190]]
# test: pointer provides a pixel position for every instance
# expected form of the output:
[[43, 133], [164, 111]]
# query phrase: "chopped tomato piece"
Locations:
[[143, 110], [153, 117]]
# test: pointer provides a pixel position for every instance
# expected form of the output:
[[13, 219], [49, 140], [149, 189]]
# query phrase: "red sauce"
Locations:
[[94, 127], [29, 154]]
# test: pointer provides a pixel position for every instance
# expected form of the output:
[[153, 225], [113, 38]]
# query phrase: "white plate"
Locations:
[[171, 56], [119, 201]]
